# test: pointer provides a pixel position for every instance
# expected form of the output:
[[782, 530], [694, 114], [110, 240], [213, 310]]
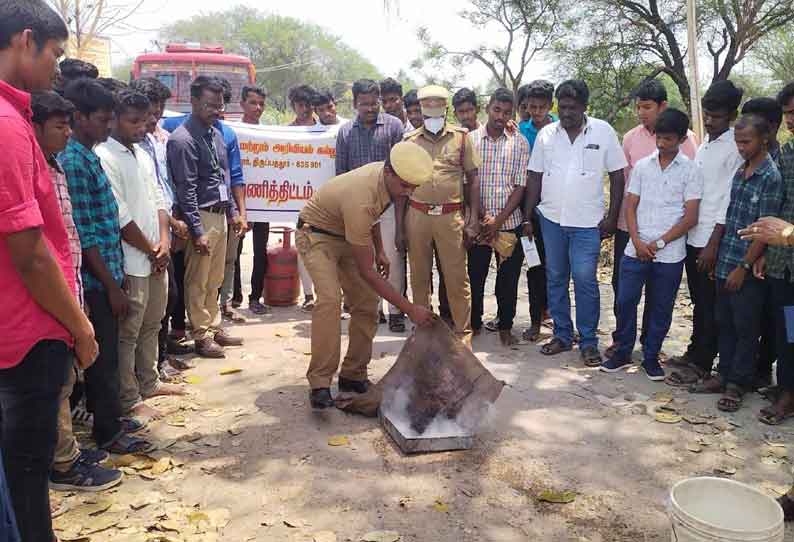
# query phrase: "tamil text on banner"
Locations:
[[283, 167]]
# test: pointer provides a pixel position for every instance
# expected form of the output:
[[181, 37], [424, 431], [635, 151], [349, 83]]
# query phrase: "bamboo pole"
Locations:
[[694, 74]]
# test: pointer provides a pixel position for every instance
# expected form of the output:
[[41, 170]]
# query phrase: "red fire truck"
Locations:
[[180, 63]]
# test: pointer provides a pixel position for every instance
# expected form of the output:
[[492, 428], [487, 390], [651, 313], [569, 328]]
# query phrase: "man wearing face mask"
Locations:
[[444, 211]]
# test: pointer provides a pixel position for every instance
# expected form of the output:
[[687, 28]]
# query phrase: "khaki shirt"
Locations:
[[349, 204], [448, 171]]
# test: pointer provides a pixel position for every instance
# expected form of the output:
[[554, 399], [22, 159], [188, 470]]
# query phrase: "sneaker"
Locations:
[[81, 416], [613, 365], [321, 398], [257, 307], [92, 457], [85, 477], [653, 370], [308, 304]]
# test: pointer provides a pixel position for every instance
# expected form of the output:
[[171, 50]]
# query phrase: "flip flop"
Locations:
[[732, 399], [531, 334], [773, 418], [712, 384], [555, 346], [682, 377]]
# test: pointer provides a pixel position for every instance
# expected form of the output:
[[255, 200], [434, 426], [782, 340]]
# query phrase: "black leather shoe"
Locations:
[[355, 386], [321, 398]]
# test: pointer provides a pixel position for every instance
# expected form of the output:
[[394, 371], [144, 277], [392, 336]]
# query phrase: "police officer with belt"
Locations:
[[339, 241], [444, 211]]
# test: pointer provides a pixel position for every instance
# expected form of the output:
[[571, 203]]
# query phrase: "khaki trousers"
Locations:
[[66, 449], [333, 270], [138, 338], [446, 231], [204, 277], [227, 288]]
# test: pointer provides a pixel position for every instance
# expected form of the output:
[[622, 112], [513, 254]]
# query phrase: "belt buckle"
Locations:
[[435, 210]]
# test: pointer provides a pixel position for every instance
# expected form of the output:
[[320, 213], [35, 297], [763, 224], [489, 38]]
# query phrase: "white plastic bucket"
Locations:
[[719, 510]]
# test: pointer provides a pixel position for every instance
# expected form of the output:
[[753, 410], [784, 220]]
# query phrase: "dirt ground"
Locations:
[[244, 458]]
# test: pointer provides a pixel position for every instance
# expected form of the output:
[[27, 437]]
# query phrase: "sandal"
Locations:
[[126, 444], [769, 416], [712, 384], [531, 334], [591, 357], [232, 315], [683, 376], [555, 346], [731, 401]]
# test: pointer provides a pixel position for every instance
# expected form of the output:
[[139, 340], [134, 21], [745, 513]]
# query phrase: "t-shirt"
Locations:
[[530, 132], [27, 201], [349, 204]]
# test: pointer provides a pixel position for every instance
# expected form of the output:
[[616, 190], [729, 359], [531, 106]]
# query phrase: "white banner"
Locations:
[[283, 167]]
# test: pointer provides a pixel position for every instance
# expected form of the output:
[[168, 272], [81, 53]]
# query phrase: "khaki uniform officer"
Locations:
[[340, 244], [437, 210]]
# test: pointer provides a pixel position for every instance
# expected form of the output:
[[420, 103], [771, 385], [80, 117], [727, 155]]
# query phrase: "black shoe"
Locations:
[[321, 398], [355, 386]]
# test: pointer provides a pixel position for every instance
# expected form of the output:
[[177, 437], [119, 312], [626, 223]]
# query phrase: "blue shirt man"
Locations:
[[529, 131]]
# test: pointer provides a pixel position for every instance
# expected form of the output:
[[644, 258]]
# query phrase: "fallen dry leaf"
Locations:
[[161, 466], [668, 417], [102, 523], [212, 442], [381, 536], [725, 469], [557, 497], [213, 413], [778, 452], [324, 536], [440, 506], [662, 396], [144, 499], [694, 419], [338, 440], [176, 420], [230, 371], [91, 508], [694, 447], [194, 379], [293, 523], [234, 430]]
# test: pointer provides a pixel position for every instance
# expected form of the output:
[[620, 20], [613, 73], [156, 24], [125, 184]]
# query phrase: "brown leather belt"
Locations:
[[436, 210]]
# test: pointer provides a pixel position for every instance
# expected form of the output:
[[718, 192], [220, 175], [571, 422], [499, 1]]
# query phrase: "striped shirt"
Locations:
[[504, 167], [62, 191], [357, 146]]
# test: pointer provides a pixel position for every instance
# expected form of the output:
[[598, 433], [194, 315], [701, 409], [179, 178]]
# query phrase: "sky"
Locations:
[[387, 39]]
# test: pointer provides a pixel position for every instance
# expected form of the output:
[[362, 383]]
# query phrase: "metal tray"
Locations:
[[415, 445]]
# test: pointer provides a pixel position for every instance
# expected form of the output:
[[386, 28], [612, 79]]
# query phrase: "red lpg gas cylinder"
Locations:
[[282, 284]]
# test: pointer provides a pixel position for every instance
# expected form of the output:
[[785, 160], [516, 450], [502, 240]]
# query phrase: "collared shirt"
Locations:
[[199, 171], [503, 168], [357, 145], [230, 142], [663, 194], [453, 157], [65, 202], [95, 211], [752, 198], [155, 145], [140, 199], [718, 160], [27, 200], [572, 192], [639, 143], [349, 204], [781, 259], [530, 132]]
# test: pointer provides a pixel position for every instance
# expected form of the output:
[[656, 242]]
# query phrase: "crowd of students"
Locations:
[[122, 234]]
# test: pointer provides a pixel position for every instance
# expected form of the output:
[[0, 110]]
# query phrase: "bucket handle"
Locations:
[[286, 235]]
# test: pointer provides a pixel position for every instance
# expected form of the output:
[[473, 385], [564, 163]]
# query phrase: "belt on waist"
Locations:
[[301, 224], [218, 208], [436, 209]]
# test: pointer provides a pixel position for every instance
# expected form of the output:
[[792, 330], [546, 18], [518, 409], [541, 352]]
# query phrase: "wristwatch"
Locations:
[[746, 266], [660, 244]]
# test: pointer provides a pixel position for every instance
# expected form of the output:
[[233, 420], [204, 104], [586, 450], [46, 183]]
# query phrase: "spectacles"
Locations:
[[213, 107]]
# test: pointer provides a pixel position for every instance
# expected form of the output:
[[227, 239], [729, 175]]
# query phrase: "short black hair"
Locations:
[[539, 88], [365, 86], [16, 16], [786, 94], [227, 90], [74, 68], [48, 104], [113, 85], [322, 97], [769, 108], [651, 90], [575, 89], [754, 121], [301, 94], [130, 99], [248, 89], [502, 95], [89, 96], [464, 95], [722, 95], [411, 98], [152, 88], [672, 121], [205, 83], [391, 86]]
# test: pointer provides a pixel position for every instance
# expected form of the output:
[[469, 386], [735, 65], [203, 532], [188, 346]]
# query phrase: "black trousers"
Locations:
[[178, 311], [622, 239], [536, 278], [507, 276], [29, 399], [782, 292], [237, 292], [767, 346], [261, 232], [173, 294], [704, 342], [739, 321], [102, 378]]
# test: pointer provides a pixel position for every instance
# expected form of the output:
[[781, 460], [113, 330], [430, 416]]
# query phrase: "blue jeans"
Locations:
[[572, 252], [661, 282]]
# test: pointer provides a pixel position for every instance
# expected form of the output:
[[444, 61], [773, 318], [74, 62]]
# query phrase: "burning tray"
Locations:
[[410, 442]]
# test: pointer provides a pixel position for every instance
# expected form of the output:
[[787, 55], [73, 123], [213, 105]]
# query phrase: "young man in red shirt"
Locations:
[[39, 313]]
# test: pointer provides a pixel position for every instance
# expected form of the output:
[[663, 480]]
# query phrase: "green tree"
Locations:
[[776, 55], [285, 51]]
